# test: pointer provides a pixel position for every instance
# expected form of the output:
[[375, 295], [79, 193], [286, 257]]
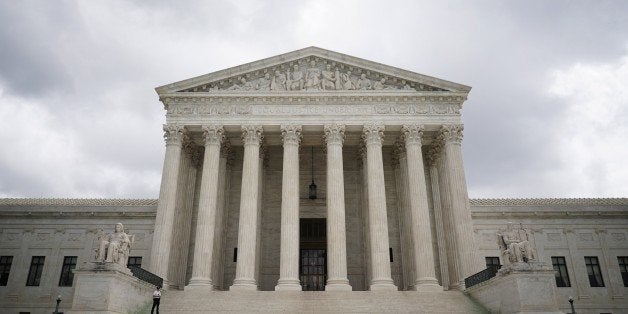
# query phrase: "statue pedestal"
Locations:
[[519, 288], [108, 288]]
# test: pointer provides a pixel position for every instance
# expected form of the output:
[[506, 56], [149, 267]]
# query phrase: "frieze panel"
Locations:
[[244, 110]]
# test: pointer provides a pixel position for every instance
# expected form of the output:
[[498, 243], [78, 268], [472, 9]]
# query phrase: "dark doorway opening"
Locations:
[[313, 254]]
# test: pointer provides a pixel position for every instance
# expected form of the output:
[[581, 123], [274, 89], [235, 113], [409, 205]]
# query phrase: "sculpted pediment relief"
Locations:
[[311, 70]]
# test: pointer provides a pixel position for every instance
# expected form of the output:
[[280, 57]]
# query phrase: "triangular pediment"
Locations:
[[311, 69]]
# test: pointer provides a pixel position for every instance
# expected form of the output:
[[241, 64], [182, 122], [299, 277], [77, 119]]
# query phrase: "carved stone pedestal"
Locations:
[[519, 288], [108, 288]]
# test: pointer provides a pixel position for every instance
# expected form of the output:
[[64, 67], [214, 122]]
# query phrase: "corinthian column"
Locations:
[[336, 228], [247, 230], [433, 157], [378, 222], [425, 274], [460, 207], [289, 256], [162, 239], [206, 221]]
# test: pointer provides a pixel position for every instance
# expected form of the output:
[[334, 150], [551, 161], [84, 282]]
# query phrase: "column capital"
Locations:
[[252, 134], [398, 152], [173, 134], [451, 133], [334, 133], [225, 149], [214, 134], [412, 134], [291, 134], [373, 134], [433, 156]]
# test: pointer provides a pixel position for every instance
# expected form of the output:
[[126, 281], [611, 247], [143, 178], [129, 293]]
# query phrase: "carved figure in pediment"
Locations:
[[295, 79], [379, 85], [313, 77], [514, 245], [114, 247], [347, 82], [406, 86], [278, 82], [244, 85], [364, 83], [329, 80], [264, 82]]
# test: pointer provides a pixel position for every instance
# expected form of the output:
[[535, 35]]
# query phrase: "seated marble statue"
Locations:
[[514, 245], [114, 247]]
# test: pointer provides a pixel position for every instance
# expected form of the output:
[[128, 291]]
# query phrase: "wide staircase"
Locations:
[[318, 302]]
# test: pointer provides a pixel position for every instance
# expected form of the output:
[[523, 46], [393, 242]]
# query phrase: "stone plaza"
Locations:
[[323, 182]]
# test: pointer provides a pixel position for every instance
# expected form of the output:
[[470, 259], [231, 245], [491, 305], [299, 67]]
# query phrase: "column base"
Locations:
[[338, 287], [382, 285], [288, 285], [426, 284], [243, 285], [200, 284]]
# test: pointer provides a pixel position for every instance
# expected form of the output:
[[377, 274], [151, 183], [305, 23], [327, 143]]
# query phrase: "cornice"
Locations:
[[549, 201], [76, 202]]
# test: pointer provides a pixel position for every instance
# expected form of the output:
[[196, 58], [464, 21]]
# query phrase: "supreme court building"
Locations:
[[315, 170]]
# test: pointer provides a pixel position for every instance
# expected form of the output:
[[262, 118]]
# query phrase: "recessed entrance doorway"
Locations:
[[313, 254]]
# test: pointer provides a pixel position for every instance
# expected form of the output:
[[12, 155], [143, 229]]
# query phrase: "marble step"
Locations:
[[319, 302]]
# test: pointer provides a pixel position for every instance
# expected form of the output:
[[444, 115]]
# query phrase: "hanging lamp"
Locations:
[[313, 185]]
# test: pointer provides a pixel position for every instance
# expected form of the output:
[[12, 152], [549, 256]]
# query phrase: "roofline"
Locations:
[[153, 202], [296, 54]]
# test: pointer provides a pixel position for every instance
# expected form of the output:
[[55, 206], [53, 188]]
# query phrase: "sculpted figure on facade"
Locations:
[[347, 83], [114, 247], [278, 82], [364, 83], [295, 79], [329, 80], [264, 82], [514, 245], [313, 77], [244, 85]]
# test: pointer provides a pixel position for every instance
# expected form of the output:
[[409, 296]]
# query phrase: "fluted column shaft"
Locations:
[[404, 217], [378, 220], [461, 209], [336, 227], [247, 229], [449, 225], [425, 273], [162, 239], [208, 198], [219, 234], [289, 255], [433, 157]]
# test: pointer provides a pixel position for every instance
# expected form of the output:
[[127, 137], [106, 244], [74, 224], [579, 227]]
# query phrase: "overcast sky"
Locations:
[[547, 115]]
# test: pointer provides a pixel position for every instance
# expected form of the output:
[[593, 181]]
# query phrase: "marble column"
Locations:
[[219, 234], [433, 157], [373, 136], [248, 220], [401, 178], [420, 229], [366, 244], [453, 262], [208, 199], [460, 207], [336, 227], [162, 237], [289, 255]]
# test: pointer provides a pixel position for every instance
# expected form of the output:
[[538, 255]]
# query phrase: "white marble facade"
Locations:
[[384, 148]]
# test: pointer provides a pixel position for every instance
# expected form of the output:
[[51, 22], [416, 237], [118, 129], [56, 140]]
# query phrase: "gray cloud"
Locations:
[[86, 71]]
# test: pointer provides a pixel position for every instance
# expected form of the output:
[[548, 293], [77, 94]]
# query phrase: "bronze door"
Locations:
[[313, 254]]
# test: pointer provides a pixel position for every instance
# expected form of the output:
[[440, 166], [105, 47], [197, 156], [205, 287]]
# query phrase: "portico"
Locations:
[[236, 173]]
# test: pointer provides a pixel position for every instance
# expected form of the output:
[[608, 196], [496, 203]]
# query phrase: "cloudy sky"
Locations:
[[547, 115]]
